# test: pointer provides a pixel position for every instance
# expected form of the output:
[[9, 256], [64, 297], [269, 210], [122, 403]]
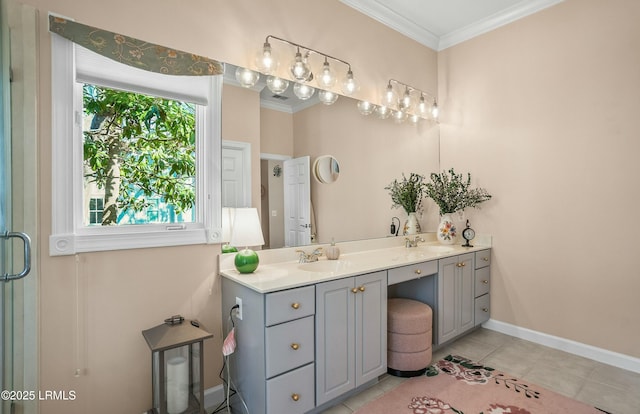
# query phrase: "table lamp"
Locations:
[[246, 232]]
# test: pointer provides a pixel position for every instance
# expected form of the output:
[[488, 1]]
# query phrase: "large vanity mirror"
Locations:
[[291, 135]]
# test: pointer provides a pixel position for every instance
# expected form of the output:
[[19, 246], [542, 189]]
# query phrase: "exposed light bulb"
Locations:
[[277, 85], [414, 119], [399, 116], [366, 108], [246, 77], [327, 78], [303, 91], [390, 97], [423, 109], [266, 60], [434, 110], [383, 112], [300, 70], [405, 102], [327, 97], [350, 85]]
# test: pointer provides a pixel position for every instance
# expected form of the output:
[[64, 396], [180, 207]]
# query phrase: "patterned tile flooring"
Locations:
[[597, 384]]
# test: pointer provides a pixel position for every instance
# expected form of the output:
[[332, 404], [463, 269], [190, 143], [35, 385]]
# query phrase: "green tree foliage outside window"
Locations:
[[139, 148]]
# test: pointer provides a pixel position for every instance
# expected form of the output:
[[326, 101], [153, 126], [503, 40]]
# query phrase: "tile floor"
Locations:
[[609, 388]]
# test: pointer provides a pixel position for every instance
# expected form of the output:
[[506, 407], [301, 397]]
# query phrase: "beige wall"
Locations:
[[94, 306], [544, 113]]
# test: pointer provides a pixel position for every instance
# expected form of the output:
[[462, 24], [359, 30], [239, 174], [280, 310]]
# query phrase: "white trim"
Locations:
[[390, 18], [68, 234], [502, 18], [274, 157], [245, 149], [378, 11], [588, 351], [213, 397]]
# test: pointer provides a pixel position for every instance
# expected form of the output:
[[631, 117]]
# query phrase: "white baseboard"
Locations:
[[598, 354]]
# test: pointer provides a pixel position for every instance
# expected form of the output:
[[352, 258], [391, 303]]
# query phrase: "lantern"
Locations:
[[177, 366]]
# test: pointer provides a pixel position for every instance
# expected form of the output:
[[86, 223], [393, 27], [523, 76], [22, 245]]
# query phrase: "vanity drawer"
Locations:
[[293, 392], [410, 272], [289, 345], [483, 258], [290, 304], [483, 309], [483, 280]]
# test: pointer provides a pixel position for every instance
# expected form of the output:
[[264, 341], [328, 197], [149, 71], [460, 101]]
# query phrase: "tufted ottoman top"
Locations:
[[408, 316]]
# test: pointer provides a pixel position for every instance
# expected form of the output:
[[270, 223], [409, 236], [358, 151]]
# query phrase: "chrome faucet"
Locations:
[[412, 243], [309, 257]]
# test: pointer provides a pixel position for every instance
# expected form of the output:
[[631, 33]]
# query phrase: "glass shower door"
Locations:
[[15, 260]]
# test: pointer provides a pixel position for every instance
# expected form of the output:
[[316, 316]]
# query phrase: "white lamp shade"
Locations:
[[246, 228], [228, 214]]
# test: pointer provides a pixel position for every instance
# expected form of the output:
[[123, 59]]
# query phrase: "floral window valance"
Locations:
[[134, 52]]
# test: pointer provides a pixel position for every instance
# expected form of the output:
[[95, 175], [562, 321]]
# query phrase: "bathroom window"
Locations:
[[157, 181]]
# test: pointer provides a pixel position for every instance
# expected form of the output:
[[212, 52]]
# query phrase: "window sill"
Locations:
[[68, 244]]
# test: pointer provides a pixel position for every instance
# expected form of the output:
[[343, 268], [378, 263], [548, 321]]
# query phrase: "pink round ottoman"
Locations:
[[409, 324]]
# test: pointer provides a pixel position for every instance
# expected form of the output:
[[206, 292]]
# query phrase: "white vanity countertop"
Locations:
[[279, 268]]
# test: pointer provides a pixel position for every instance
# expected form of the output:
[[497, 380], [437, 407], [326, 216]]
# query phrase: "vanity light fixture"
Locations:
[[246, 77], [300, 67], [277, 85], [412, 102], [383, 112], [303, 91], [327, 78], [266, 60], [366, 108], [327, 97]]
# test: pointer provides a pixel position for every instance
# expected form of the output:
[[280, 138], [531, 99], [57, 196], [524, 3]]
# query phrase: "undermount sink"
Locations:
[[325, 266], [436, 248]]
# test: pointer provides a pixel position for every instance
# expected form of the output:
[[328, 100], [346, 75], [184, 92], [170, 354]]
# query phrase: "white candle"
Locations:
[[177, 385]]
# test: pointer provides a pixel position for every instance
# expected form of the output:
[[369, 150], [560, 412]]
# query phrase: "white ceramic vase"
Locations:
[[447, 232], [412, 225]]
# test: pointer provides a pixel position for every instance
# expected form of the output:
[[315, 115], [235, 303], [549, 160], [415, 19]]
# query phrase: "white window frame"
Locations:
[[69, 235]]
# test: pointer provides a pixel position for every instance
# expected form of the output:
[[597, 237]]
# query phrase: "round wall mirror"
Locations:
[[326, 169]]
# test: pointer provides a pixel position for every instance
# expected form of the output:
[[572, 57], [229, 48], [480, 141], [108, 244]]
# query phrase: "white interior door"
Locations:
[[236, 174], [297, 202]]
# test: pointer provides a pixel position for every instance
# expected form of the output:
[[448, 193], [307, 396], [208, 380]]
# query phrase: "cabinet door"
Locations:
[[466, 289], [371, 326], [447, 326], [456, 300], [335, 338]]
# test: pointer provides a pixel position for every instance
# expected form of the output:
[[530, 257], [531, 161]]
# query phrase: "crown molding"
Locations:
[[502, 18], [390, 18], [378, 11]]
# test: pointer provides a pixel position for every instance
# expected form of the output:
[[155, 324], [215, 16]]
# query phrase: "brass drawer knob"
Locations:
[[354, 290], [295, 346], [295, 305], [486, 259], [486, 282], [361, 288], [485, 310], [418, 271], [295, 397]]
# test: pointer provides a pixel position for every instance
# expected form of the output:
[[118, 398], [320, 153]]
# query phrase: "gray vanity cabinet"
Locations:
[[351, 333], [273, 363], [483, 282], [456, 298]]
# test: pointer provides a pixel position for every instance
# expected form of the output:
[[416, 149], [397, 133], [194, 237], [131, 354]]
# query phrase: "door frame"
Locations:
[[245, 149]]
